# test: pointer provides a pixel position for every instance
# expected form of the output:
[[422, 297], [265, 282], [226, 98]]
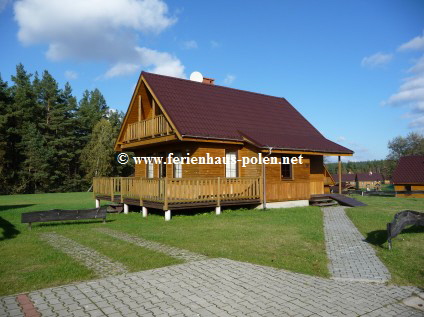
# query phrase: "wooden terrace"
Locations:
[[179, 193]]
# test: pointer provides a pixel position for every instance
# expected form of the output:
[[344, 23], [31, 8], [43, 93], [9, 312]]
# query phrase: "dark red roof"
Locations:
[[345, 177], [212, 111], [374, 177], [409, 170]]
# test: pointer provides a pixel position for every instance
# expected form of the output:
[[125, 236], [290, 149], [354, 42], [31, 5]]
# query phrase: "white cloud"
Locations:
[[215, 44], [120, 69], [189, 45], [376, 60], [229, 79], [97, 30], [161, 62], [341, 139], [417, 43], [71, 75], [410, 94]]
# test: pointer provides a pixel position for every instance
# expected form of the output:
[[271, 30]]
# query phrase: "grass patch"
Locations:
[[406, 261], [134, 257], [292, 239]]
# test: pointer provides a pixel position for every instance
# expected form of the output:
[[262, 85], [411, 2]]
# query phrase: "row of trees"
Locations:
[[412, 144], [49, 141]]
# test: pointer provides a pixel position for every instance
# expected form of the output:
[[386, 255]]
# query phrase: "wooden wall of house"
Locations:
[[136, 113], [308, 178], [413, 187]]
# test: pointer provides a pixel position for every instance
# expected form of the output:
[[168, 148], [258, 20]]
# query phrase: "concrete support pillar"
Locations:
[[167, 215], [97, 203], [218, 210], [144, 211], [126, 208]]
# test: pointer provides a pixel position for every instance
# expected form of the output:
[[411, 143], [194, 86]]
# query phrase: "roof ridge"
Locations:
[[213, 85]]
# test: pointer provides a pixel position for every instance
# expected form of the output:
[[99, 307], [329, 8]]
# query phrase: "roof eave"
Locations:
[[266, 148]]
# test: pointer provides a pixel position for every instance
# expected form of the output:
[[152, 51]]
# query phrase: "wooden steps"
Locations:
[[322, 201], [341, 199]]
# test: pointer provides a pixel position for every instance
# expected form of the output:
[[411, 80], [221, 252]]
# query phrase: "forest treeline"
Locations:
[[49, 140], [52, 142], [412, 144]]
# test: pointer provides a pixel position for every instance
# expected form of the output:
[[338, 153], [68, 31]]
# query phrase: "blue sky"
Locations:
[[354, 69]]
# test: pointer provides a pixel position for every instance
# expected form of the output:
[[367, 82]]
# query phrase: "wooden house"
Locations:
[[408, 177], [195, 120], [361, 180]]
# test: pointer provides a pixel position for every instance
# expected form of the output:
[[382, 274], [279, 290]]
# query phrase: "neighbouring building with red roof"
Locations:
[[361, 180], [409, 176], [194, 120]]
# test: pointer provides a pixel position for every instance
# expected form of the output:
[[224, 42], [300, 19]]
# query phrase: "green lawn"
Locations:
[[284, 238], [406, 260]]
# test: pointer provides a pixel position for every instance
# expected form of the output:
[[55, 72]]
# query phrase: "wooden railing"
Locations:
[[147, 128], [178, 190]]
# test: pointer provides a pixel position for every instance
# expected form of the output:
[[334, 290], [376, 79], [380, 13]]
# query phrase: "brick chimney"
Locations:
[[209, 81]]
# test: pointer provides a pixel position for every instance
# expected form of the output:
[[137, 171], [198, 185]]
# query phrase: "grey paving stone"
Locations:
[[351, 258], [174, 252], [222, 287], [99, 263]]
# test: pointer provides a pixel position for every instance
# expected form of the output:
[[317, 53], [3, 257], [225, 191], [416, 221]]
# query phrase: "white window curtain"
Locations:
[[149, 169], [178, 167], [231, 164]]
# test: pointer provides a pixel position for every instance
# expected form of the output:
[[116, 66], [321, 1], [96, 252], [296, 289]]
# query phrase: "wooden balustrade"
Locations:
[[147, 128], [178, 190]]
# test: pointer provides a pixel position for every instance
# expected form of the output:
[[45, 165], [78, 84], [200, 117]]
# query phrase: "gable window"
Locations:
[[231, 164], [149, 168], [286, 168], [178, 167]]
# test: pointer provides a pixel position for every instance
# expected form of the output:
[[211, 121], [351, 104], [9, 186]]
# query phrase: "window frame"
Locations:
[[150, 168], [236, 169], [290, 166], [178, 166]]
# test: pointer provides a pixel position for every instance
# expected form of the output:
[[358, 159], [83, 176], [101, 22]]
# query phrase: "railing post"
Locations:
[[153, 117], [122, 190], [141, 191], [261, 189], [112, 190], [165, 192], [218, 194]]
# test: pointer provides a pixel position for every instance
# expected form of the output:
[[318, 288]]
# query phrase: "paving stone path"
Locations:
[[219, 287], [174, 252], [351, 258], [102, 265]]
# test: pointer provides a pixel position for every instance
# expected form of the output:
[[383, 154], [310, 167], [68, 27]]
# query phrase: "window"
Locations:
[[149, 168], [286, 169], [178, 167], [408, 188], [162, 165], [231, 164]]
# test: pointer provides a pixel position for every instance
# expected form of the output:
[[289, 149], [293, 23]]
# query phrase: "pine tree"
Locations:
[[22, 110], [5, 102], [98, 156]]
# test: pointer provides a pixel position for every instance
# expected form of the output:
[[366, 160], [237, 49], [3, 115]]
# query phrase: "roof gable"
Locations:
[[212, 111]]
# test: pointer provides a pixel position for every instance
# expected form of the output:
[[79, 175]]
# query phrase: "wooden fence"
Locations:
[[179, 190]]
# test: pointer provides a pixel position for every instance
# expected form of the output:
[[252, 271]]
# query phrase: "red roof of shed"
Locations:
[[217, 112], [410, 169]]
